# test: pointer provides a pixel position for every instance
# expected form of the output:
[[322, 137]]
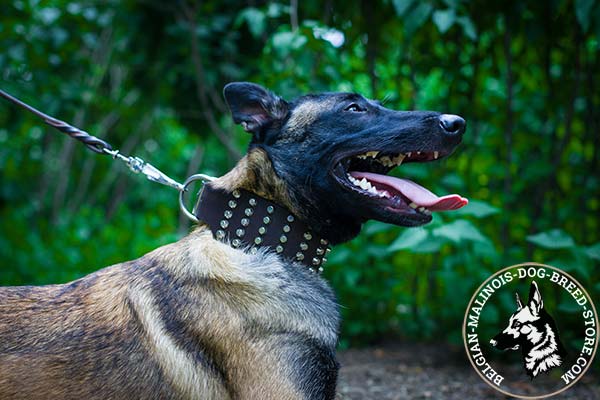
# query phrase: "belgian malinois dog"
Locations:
[[203, 319], [531, 329]]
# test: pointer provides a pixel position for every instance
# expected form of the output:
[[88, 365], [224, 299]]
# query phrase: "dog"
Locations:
[[204, 319], [534, 331]]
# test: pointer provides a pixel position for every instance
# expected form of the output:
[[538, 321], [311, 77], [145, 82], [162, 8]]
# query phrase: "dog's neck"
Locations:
[[544, 354], [254, 173], [249, 208]]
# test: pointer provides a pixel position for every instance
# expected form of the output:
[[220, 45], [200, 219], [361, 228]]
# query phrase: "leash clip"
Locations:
[[197, 177]]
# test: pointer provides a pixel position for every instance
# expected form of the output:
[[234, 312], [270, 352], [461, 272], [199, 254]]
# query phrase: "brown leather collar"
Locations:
[[243, 219]]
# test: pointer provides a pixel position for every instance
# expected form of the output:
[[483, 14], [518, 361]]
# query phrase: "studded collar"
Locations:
[[243, 219]]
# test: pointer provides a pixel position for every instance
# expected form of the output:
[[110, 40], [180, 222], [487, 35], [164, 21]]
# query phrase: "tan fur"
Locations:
[[196, 319], [306, 113], [255, 172], [177, 365], [122, 314]]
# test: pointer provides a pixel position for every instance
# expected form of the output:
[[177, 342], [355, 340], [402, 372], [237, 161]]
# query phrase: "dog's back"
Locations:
[[58, 340], [195, 319]]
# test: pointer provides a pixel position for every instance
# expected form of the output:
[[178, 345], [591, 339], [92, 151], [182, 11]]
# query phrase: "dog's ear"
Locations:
[[519, 304], [254, 106], [535, 303]]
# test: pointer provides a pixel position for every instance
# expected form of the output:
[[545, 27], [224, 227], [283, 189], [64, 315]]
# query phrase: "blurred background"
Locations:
[[147, 76]]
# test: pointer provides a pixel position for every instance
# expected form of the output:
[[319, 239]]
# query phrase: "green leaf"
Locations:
[[459, 231], [286, 41], [402, 6], [276, 10], [341, 255], [444, 19], [468, 27], [255, 19], [429, 246], [553, 239], [593, 251], [453, 3], [478, 209], [373, 227], [570, 307], [417, 17], [49, 15], [583, 10], [409, 239]]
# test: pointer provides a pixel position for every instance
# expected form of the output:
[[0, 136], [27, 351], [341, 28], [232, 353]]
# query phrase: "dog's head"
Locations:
[[331, 153], [525, 326]]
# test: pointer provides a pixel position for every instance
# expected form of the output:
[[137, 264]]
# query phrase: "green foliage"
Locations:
[[147, 77], [554, 239]]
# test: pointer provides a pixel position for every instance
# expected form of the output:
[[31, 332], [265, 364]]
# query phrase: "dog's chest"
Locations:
[[235, 292], [294, 298]]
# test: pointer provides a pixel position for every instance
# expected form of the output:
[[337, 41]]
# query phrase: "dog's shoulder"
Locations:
[[236, 310], [200, 273], [262, 287]]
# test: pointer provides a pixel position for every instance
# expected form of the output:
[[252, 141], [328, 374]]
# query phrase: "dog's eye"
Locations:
[[517, 325], [354, 108]]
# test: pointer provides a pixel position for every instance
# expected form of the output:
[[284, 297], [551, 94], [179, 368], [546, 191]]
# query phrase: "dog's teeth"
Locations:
[[436, 154], [365, 184], [421, 209], [398, 159], [408, 154], [372, 153], [386, 161], [362, 156], [355, 181], [426, 212], [413, 205], [418, 152]]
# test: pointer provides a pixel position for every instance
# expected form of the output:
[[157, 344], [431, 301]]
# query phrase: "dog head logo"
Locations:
[[534, 331]]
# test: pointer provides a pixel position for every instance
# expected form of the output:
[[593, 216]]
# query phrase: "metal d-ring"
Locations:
[[188, 181]]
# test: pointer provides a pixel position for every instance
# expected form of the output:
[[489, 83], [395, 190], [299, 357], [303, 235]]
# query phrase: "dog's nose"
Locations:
[[452, 124]]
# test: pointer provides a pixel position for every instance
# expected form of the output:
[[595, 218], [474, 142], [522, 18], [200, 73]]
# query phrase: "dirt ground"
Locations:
[[425, 371]]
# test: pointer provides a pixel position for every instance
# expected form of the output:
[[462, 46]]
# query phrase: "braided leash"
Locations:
[[99, 146], [92, 142]]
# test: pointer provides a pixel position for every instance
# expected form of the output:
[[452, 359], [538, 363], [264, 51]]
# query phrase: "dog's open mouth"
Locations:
[[366, 174]]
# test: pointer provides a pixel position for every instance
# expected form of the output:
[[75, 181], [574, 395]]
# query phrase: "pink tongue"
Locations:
[[418, 194]]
